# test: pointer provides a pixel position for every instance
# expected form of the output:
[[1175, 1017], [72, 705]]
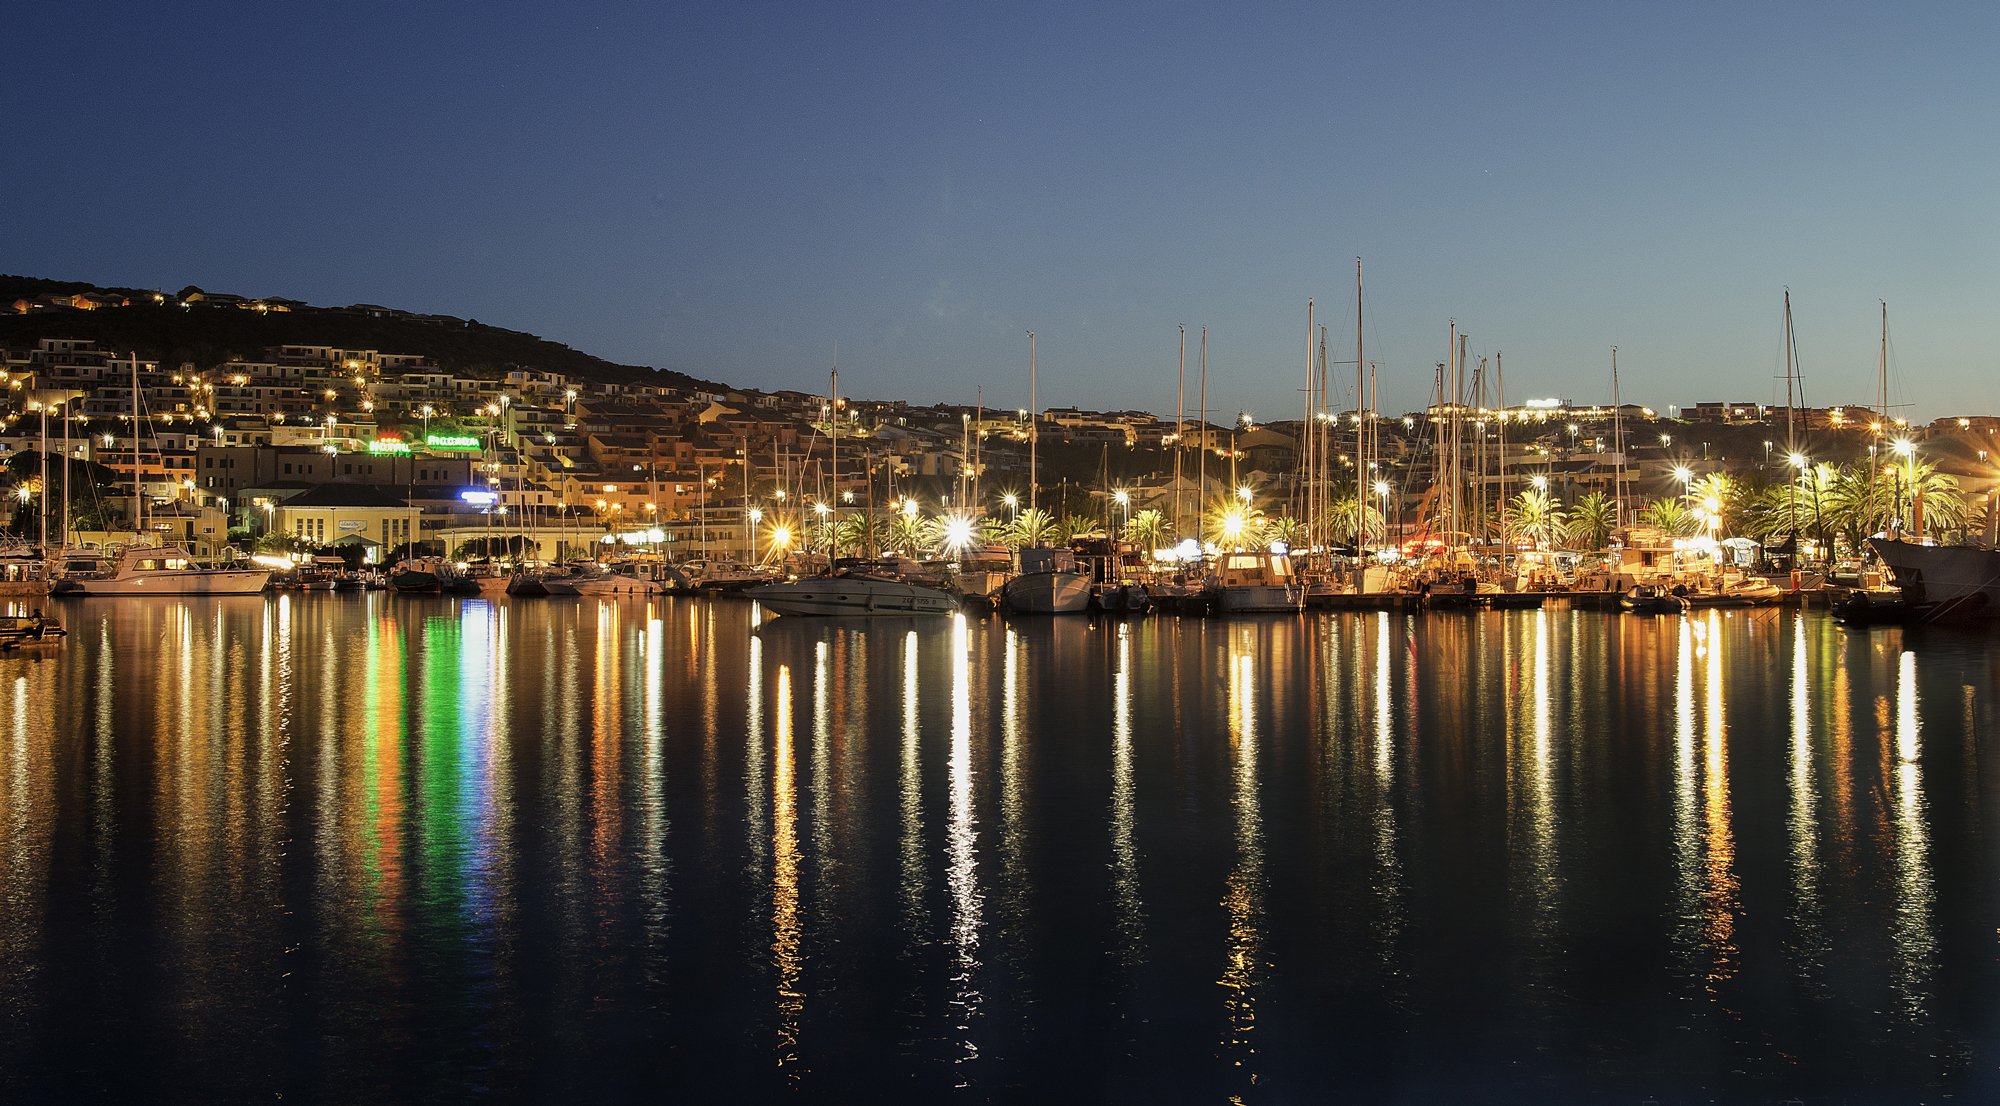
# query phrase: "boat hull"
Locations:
[[618, 585], [829, 596], [248, 582], [1049, 593], [1950, 581]]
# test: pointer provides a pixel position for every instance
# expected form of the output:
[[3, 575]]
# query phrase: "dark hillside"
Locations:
[[210, 335]]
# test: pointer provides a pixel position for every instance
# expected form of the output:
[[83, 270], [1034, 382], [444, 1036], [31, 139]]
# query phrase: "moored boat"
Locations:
[[850, 595], [1249, 583], [154, 570], [1651, 599], [1956, 581], [1048, 583]]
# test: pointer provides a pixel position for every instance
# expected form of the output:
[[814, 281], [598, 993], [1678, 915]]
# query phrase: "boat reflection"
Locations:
[[1243, 894]]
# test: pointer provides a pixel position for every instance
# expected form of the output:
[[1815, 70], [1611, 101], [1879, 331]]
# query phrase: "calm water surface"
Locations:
[[385, 849]]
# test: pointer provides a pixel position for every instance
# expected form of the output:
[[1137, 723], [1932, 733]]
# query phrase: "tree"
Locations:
[[1287, 530], [1144, 529], [1342, 523], [1029, 528], [911, 534], [1072, 527], [1534, 515], [1726, 492], [1591, 521], [1668, 515]]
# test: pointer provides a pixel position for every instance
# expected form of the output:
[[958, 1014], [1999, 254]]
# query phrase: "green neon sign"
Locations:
[[383, 445], [448, 441]]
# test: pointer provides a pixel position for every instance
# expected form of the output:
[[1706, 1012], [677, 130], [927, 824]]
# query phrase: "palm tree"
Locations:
[[1535, 515], [1031, 527], [1342, 524], [1144, 529], [1669, 515], [1591, 520], [1858, 506], [852, 533], [1071, 527], [1944, 507], [1728, 496], [911, 533], [1287, 529]]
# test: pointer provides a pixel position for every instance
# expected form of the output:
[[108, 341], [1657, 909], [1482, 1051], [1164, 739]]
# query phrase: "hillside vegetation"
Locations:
[[208, 336]]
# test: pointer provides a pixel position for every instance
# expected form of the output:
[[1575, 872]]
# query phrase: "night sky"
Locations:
[[731, 189]]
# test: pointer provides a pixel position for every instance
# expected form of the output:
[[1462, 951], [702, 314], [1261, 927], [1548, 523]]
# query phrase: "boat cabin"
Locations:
[[1247, 570], [1045, 560]]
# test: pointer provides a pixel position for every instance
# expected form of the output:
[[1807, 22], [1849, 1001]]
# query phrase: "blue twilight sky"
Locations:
[[729, 189]]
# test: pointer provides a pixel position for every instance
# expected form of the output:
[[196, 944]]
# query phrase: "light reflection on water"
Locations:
[[377, 848]]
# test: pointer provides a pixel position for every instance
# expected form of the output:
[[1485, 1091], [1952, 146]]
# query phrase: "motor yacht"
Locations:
[[154, 570], [1049, 582]]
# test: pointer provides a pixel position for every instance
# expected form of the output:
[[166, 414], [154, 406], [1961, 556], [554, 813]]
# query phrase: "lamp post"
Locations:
[[1125, 509]]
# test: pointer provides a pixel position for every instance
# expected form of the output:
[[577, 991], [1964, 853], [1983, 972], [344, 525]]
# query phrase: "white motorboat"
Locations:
[[712, 575], [850, 595], [154, 570], [1048, 583], [983, 574], [629, 578], [1249, 583]]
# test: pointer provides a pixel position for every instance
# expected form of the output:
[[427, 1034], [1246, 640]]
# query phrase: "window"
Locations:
[[288, 470]]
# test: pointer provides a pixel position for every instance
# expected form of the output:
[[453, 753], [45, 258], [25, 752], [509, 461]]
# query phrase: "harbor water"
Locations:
[[377, 848]]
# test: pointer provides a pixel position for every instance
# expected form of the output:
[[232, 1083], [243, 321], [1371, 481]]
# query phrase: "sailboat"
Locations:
[[1048, 581], [1939, 582], [149, 569]]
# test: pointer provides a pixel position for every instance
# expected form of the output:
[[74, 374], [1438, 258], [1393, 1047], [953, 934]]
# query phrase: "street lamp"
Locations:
[[1125, 507]]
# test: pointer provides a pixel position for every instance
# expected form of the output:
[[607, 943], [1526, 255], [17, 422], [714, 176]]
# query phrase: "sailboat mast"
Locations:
[[1791, 361], [138, 476], [1201, 499], [1791, 423], [1034, 432], [42, 499], [1459, 437], [1618, 448], [1360, 428], [1321, 489], [1311, 395], [978, 419], [1180, 431], [63, 530], [1500, 404], [833, 453]]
